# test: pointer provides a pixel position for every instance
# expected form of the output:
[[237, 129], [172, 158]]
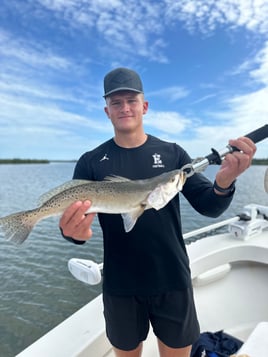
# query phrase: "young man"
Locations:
[[146, 276]]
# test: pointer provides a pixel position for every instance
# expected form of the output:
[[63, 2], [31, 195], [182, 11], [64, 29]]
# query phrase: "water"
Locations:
[[37, 291]]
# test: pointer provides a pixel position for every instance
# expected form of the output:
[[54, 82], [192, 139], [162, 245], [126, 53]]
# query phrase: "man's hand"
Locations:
[[75, 222], [237, 162]]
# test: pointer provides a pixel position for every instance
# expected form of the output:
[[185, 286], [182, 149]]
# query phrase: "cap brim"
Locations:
[[120, 90]]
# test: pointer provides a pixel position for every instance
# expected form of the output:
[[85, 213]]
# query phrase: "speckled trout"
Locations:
[[115, 194]]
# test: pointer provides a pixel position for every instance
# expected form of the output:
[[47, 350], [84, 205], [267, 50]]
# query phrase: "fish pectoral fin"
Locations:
[[156, 199], [130, 218]]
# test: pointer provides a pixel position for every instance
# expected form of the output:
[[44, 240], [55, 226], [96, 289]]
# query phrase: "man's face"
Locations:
[[126, 109]]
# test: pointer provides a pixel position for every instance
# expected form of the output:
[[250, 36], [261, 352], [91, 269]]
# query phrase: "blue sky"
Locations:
[[204, 65]]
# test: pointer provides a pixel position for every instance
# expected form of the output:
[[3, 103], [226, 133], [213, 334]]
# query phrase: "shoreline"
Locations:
[[45, 161], [31, 161]]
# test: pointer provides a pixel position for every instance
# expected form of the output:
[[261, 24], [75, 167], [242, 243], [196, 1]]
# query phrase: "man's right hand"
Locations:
[[75, 222]]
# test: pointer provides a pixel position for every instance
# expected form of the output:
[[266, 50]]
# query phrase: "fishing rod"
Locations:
[[216, 157]]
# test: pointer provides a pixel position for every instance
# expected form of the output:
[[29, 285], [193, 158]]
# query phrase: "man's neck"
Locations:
[[130, 140]]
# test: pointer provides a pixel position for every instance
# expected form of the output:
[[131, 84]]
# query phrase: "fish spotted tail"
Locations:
[[17, 227]]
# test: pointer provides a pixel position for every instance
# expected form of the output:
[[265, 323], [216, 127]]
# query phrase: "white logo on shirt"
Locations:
[[157, 161], [105, 157]]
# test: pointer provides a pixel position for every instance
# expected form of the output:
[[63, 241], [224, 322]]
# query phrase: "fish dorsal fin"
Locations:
[[130, 218], [114, 178], [69, 184]]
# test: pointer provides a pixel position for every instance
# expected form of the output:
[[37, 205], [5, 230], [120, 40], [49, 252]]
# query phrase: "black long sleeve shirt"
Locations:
[[152, 257]]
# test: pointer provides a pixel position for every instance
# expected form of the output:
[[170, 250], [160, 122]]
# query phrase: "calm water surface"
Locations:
[[36, 290]]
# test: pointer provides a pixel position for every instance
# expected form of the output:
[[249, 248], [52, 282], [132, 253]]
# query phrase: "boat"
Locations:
[[230, 280]]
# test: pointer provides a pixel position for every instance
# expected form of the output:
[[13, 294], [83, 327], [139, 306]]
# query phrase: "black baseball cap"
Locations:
[[122, 79]]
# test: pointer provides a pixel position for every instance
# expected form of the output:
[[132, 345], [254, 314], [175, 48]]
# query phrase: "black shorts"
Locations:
[[172, 316]]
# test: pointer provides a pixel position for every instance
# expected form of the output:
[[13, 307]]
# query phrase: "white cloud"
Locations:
[[260, 74], [250, 110], [166, 122], [42, 130], [136, 27], [26, 89], [25, 113], [206, 15], [256, 67], [130, 26], [204, 98], [172, 94], [30, 53]]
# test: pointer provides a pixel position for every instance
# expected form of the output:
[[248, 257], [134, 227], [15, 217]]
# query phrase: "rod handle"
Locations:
[[257, 135]]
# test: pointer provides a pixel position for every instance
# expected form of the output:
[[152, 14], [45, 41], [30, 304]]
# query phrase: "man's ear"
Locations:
[[145, 107], [107, 111]]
